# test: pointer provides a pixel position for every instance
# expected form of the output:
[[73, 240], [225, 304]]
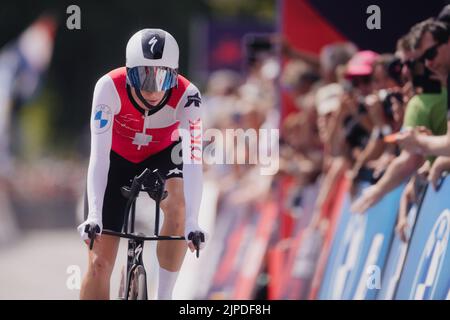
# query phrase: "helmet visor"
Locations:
[[152, 78]]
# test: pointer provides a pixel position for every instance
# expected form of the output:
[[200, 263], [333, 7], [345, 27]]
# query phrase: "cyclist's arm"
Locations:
[[105, 104], [190, 119]]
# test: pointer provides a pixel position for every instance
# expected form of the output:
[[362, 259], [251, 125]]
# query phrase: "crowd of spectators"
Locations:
[[377, 119]]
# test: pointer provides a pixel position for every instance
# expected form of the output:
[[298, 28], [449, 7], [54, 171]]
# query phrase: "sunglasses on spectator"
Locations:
[[431, 53]]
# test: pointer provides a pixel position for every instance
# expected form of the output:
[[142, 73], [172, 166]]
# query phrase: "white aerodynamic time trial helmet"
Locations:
[[152, 60]]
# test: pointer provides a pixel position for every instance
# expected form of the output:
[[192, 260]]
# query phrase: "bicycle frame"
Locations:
[[139, 184], [136, 246], [134, 259], [136, 241]]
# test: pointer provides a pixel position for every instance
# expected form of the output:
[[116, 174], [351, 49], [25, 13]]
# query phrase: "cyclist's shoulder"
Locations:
[[190, 97], [190, 86], [118, 74], [113, 77], [106, 91], [112, 80], [183, 87], [183, 84]]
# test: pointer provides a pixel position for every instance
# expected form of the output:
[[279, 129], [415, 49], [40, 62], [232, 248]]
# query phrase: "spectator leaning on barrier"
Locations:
[[353, 115], [355, 118], [300, 80], [434, 47], [410, 195], [336, 151], [405, 53], [386, 72], [412, 190], [386, 109], [300, 153], [427, 110], [221, 94], [334, 56]]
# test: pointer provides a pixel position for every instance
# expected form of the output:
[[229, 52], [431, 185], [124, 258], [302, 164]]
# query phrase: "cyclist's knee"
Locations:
[[174, 207], [100, 266], [174, 215]]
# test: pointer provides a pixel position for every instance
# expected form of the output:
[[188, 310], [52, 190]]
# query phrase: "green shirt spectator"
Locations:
[[427, 110]]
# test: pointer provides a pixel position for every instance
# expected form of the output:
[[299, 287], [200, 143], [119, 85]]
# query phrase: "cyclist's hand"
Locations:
[[188, 235], [93, 223]]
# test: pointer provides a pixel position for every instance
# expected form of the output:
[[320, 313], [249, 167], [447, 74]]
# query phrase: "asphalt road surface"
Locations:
[[49, 263]]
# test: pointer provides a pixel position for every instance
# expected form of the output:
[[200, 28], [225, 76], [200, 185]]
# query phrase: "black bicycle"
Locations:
[[134, 286]]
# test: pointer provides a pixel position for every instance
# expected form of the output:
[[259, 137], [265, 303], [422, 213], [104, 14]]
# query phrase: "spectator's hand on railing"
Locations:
[[440, 165], [369, 197], [424, 170], [352, 176], [401, 228], [408, 196]]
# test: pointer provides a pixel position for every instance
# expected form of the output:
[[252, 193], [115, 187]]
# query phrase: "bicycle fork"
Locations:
[[134, 259]]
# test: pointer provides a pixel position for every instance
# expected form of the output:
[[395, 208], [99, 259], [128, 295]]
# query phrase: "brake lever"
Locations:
[[91, 234], [159, 186], [158, 176], [138, 181], [143, 175], [196, 238]]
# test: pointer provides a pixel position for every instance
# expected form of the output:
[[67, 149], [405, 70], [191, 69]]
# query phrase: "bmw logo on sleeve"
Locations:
[[153, 44], [102, 118]]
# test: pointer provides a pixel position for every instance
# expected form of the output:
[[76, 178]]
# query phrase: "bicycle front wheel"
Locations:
[[138, 288]]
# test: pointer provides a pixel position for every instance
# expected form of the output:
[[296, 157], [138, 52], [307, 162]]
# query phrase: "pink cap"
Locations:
[[361, 63]]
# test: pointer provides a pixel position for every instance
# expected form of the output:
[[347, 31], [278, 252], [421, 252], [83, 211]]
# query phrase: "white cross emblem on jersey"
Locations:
[[142, 139]]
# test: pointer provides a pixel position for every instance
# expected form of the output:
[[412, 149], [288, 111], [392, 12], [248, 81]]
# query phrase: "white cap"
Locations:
[[328, 98], [152, 47]]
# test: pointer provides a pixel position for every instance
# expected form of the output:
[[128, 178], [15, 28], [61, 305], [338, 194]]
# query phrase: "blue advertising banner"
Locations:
[[360, 250], [426, 272], [338, 240], [395, 261]]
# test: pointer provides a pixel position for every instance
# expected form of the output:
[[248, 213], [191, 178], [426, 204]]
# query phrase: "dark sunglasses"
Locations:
[[416, 67], [431, 53]]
